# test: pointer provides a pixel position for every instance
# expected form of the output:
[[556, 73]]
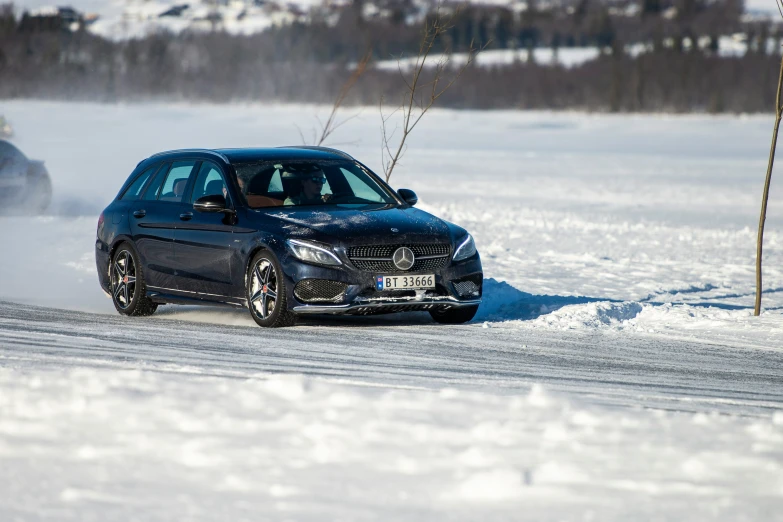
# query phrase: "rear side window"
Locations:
[[153, 189], [176, 181], [133, 192]]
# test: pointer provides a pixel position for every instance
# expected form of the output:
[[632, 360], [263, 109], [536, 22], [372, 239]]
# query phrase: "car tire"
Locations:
[[454, 315], [128, 290], [266, 292], [39, 192]]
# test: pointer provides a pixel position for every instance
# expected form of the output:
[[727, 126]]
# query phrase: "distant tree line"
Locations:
[[568, 23], [310, 63]]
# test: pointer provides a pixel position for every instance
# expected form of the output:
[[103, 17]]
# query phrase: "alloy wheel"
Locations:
[[264, 288], [123, 279]]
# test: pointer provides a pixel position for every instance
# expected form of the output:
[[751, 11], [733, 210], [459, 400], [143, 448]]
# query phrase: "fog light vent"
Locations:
[[319, 291], [469, 286]]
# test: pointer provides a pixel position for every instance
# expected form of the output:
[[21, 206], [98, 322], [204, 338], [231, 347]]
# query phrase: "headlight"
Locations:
[[313, 253], [465, 249]]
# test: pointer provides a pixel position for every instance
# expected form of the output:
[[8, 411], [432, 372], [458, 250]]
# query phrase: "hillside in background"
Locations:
[[623, 55]]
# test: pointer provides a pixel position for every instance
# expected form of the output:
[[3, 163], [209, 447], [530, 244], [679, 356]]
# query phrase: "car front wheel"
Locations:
[[266, 292]]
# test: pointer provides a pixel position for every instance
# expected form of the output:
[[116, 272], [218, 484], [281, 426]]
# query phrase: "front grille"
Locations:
[[469, 286], [319, 291], [434, 249], [419, 265], [378, 258]]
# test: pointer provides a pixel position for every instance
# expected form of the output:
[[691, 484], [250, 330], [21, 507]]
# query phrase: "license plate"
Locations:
[[404, 282]]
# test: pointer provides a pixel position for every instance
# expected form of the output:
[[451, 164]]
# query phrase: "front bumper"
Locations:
[[102, 265], [387, 306], [361, 298]]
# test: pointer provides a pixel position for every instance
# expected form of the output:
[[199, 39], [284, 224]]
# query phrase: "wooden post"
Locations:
[[765, 197]]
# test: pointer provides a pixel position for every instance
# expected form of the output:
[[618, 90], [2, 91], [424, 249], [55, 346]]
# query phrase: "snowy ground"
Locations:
[[103, 418], [288, 448], [609, 240]]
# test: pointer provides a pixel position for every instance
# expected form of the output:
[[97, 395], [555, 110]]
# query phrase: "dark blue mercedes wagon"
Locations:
[[282, 232]]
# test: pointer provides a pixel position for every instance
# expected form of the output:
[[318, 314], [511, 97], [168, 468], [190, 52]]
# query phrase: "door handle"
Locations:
[[186, 216], [139, 213]]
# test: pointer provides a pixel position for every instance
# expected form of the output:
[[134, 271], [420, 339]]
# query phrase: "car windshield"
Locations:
[[301, 183]]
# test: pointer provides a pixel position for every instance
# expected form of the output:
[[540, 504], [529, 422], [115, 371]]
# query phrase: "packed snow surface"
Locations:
[[614, 372], [133, 444]]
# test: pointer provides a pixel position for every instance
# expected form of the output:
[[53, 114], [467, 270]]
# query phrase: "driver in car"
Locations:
[[311, 184]]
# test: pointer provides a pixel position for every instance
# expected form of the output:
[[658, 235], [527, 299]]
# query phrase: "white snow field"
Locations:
[[614, 372]]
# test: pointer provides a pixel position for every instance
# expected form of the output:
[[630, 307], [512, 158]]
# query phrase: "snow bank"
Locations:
[[504, 302], [711, 324], [730, 325], [592, 315], [112, 444]]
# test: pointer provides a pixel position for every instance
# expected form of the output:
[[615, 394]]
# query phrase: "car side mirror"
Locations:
[[211, 203], [408, 196]]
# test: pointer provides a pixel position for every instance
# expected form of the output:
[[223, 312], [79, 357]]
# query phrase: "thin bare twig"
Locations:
[[420, 95], [301, 134], [331, 124], [327, 128]]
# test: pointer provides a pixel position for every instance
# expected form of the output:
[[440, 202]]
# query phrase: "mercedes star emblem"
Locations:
[[403, 258]]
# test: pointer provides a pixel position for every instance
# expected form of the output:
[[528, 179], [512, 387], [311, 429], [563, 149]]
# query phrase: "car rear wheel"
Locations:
[[266, 292], [454, 315], [39, 192], [128, 291]]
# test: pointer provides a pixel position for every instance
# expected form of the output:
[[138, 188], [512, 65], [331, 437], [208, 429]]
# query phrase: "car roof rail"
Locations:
[[203, 151], [319, 148]]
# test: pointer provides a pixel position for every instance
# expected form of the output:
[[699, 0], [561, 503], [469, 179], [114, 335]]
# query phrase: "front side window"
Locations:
[[309, 183], [276, 183], [173, 188], [360, 188], [209, 182]]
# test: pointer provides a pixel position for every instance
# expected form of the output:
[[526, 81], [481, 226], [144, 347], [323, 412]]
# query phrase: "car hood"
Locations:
[[352, 226]]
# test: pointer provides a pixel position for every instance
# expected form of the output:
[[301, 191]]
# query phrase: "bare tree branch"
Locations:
[[301, 134], [402, 75], [420, 95], [331, 124]]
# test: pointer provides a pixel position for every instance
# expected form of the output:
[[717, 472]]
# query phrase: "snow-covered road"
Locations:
[[605, 367]]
